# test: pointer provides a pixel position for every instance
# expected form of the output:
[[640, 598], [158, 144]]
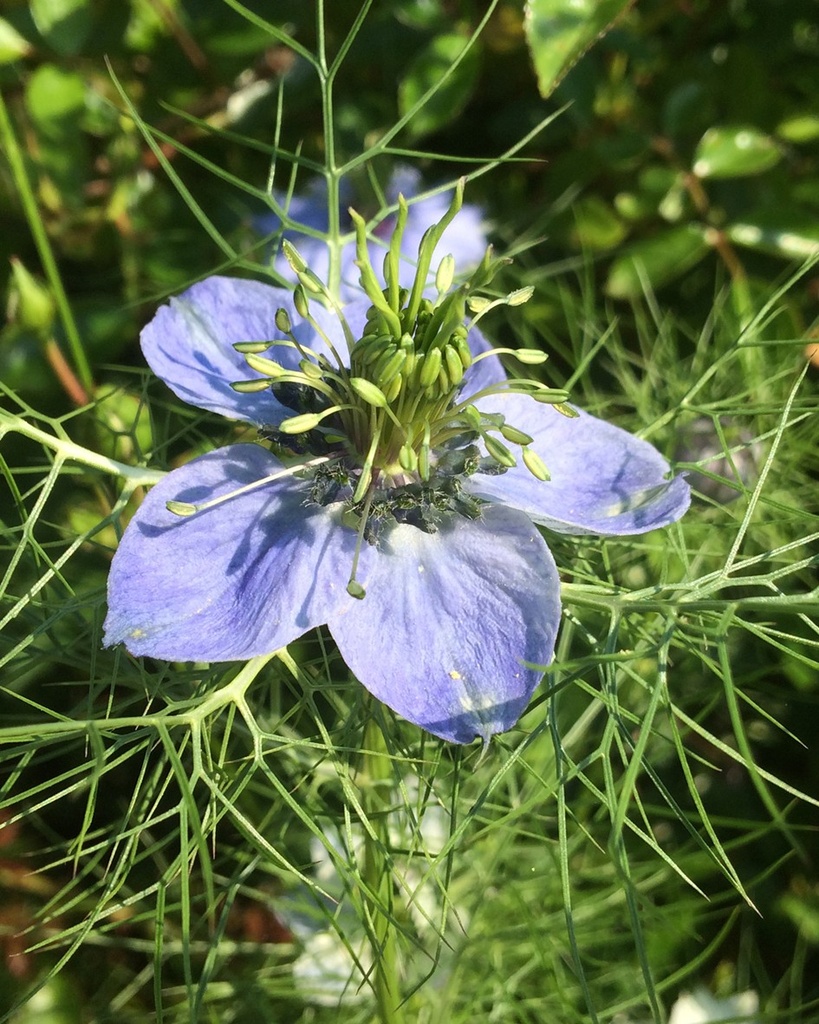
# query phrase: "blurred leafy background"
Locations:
[[653, 823]]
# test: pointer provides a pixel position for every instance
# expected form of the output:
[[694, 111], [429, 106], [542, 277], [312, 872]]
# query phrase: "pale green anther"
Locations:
[[430, 368], [354, 589], [393, 389], [423, 462], [444, 383], [371, 394], [300, 424], [377, 366], [477, 303], [310, 369], [454, 365], [520, 295], [251, 347], [410, 365], [261, 364], [407, 459], [293, 257], [250, 387], [514, 435], [461, 346], [391, 369], [283, 320], [364, 481], [180, 508], [566, 410], [531, 356], [535, 465], [446, 274], [499, 452], [300, 301], [551, 396], [472, 417]]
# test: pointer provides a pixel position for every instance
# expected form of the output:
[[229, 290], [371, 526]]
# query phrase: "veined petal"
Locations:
[[189, 344], [604, 480], [485, 372], [450, 620], [240, 579]]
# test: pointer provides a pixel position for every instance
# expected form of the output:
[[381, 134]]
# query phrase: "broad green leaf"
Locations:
[[596, 225], [560, 31], [426, 71], [734, 153], [656, 261], [12, 44], [64, 24], [52, 96], [799, 128], [792, 238]]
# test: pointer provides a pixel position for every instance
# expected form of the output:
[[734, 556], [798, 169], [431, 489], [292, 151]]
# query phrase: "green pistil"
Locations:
[[395, 407]]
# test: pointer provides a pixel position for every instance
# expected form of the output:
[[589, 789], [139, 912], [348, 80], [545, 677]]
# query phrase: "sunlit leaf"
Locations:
[[64, 24], [560, 31], [734, 153]]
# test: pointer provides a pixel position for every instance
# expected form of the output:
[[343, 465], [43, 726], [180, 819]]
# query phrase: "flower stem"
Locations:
[[377, 784]]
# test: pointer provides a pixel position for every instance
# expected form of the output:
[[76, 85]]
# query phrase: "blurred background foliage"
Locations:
[[673, 196]]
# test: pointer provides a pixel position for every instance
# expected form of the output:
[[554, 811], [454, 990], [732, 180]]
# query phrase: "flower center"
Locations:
[[387, 423]]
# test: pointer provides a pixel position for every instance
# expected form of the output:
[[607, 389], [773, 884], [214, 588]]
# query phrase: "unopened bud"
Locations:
[[31, 303]]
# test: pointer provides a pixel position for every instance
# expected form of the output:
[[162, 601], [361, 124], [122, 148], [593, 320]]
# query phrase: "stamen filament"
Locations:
[[185, 508]]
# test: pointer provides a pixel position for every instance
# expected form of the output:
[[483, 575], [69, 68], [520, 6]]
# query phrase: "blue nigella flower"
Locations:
[[391, 509]]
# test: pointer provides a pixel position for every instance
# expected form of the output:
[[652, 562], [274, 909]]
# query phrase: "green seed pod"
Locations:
[[430, 368], [535, 465], [499, 452], [514, 435]]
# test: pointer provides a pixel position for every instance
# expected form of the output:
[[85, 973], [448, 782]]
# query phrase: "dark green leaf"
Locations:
[[655, 261], [426, 71], [560, 31]]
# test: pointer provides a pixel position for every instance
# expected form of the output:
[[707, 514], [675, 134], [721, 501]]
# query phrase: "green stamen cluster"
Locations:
[[392, 406]]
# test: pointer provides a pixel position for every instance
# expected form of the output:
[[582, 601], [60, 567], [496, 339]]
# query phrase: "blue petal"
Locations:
[[483, 374], [604, 480], [449, 621], [240, 579], [189, 344]]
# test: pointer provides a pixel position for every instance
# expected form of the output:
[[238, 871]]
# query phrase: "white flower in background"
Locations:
[[700, 1007], [335, 956]]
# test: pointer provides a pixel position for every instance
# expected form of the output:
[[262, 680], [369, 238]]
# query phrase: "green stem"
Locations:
[[14, 156], [377, 784], [138, 476]]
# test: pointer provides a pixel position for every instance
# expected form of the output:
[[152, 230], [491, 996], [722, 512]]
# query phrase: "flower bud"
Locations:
[[31, 302]]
